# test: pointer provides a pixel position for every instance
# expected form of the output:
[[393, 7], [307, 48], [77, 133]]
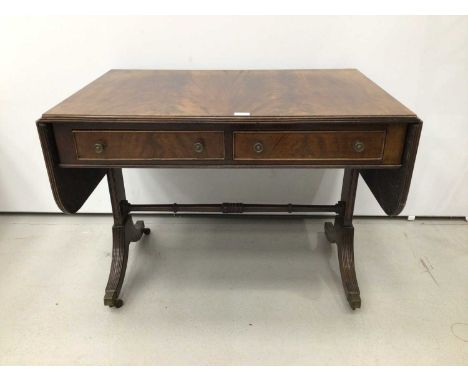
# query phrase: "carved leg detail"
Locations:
[[118, 267], [342, 233], [122, 236], [344, 239], [347, 270], [124, 232]]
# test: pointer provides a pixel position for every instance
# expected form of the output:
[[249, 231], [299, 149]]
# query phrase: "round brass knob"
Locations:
[[198, 147], [99, 147], [258, 147], [358, 146]]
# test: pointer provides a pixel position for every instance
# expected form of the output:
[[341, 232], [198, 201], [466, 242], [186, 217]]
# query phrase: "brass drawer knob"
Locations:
[[198, 147], [99, 147], [358, 146], [258, 147]]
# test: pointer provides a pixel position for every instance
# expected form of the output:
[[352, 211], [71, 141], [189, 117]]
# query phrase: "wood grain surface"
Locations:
[[208, 94], [309, 145], [148, 145]]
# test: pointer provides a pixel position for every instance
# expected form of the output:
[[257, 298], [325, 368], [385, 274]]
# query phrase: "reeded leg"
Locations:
[[121, 236], [344, 239], [124, 232], [342, 233], [118, 267]]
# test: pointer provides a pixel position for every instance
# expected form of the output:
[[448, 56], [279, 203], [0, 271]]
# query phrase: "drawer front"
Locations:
[[313, 145], [148, 145]]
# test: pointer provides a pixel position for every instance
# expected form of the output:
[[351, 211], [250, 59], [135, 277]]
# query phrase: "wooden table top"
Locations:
[[157, 95]]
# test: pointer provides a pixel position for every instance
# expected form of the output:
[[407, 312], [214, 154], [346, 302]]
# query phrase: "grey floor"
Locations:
[[232, 291]]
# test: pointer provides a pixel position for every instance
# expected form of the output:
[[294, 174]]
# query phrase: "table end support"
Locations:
[[341, 233], [124, 231], [344, 239]]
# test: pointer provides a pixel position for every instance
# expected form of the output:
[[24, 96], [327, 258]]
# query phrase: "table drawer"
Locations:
[[148, 145], [309, 145]]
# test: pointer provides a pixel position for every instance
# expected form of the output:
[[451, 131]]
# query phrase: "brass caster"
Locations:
[[114, 303], [354, 301]]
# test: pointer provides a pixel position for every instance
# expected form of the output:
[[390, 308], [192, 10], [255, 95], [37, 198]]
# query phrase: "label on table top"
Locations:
[[241, 113]]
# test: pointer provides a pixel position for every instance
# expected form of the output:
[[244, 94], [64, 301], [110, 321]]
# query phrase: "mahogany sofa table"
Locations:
[[249, 118]]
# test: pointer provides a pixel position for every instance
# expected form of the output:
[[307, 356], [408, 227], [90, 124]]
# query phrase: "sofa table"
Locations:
[[335, 118]]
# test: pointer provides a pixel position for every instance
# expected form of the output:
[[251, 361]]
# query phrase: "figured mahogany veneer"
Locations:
[[230, 118], [149, 145], [308, 144], [214, 94], [317, 145]]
